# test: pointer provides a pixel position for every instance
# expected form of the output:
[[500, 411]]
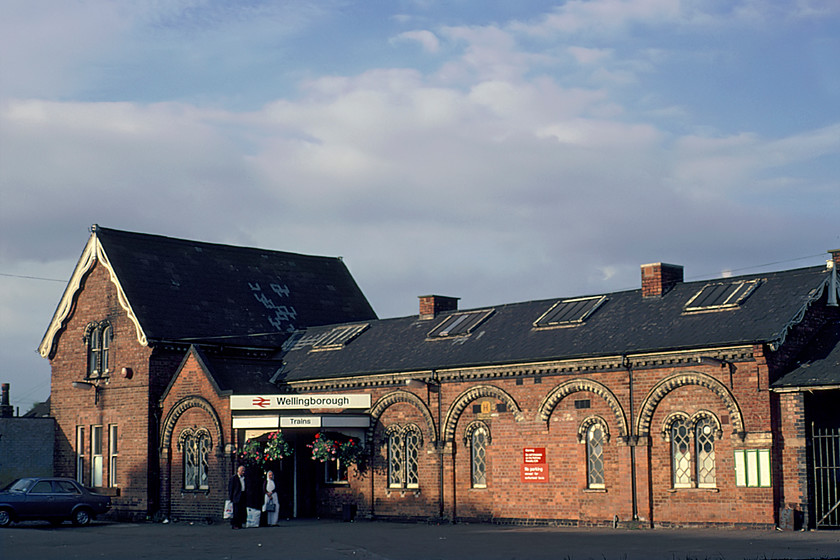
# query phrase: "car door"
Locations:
[[40, 501], [66, 495]]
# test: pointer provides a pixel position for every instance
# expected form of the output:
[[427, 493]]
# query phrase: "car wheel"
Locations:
[[81, 517], [5, 517]]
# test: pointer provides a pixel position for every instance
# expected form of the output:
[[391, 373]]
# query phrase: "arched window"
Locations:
[[98, 340], [403, 456], [196, 449], [680, 454], [595, 456], [704, 431], [478, 457], [693, 449]]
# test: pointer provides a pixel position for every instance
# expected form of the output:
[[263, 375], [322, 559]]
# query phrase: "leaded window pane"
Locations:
[[680, 454], [705, 443], [203, 461], [595, 456], [479, 458], [395, 461], [412, 453], [190, 466]]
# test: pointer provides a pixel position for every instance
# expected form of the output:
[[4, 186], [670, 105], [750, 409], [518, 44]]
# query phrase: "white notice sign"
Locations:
[[299, 402]]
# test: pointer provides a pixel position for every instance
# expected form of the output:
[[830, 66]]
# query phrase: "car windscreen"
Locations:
[[21, 485]]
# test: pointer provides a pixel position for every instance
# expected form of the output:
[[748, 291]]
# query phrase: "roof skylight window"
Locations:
[[570, 312], [339, 337], [721, 295], [459, 324]]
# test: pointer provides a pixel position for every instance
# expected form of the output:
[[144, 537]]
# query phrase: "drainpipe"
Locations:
[[439, 443], [634, 491]]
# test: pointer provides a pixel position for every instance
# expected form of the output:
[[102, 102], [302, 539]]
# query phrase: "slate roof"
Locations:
[[625, 323], [819, 363], [193, 291], [247, 376]]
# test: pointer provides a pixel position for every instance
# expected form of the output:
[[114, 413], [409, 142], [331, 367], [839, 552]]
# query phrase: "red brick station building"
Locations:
[[707, 403]]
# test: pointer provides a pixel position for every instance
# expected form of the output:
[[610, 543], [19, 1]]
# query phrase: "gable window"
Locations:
[[693, 449], [98, 340], [195, 445], [477, 438], [403, 456]]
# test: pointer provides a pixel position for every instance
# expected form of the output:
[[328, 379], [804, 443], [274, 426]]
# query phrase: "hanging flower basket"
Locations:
[[255, 453], [331, 447]]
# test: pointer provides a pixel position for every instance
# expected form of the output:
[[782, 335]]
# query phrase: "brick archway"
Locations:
[[168, 425], [680, 380], [465, 398], [393, 398], [553, 398]]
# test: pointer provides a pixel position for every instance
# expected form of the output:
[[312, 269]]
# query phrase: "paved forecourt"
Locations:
[[325, 540]]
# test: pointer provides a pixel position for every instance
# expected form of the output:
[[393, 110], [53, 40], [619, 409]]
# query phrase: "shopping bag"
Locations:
[[253, 519], [228, 509]]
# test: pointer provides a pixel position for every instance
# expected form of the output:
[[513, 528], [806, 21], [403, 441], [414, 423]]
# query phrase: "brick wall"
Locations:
[[122, 402], [193, 403], [565, 499]]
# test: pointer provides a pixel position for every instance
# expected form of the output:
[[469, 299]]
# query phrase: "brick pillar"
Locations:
[[791, 466]]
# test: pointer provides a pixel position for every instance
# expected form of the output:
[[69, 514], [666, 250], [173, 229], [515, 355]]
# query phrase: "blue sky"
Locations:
[[494, 151]]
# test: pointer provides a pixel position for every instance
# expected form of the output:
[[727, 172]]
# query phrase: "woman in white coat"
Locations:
[[271, 505]]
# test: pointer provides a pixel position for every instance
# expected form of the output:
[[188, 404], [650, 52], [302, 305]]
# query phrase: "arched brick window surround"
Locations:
[[690, 422], [590, 421], [472, 427], [180, 408], [395, 397], [465, 398], [563, 390], [680, 380]]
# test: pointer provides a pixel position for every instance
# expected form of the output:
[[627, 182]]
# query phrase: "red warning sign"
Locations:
[[534, 466]]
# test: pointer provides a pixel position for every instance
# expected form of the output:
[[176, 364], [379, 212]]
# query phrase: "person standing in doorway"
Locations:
[[236, 494], [271, 505]]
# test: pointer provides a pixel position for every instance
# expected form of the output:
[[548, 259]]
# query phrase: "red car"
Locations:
[[50, 499]]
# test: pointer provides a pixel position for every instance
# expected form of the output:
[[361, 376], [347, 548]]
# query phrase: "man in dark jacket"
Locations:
[[236, 494]]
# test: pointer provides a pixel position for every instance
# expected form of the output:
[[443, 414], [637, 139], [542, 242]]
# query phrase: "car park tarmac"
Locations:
[[372, 540]]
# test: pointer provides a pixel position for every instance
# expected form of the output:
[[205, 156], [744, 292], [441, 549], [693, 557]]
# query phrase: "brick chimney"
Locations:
[[432, 305], [659, 278], [6, 410], [835, 256]]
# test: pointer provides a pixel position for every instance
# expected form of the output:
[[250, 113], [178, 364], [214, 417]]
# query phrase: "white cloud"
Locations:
[[426, 39]]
